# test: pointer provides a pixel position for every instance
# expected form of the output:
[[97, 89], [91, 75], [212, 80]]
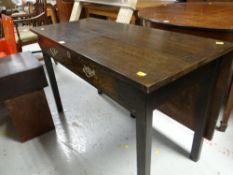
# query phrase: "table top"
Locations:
[[147, 58], [141, 4], [17, 63], [205, 15]]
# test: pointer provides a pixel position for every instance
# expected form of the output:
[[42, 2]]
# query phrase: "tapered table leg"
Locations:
[[53, 82], [202, 113], [100, 92], [227, 110], [144, 140]]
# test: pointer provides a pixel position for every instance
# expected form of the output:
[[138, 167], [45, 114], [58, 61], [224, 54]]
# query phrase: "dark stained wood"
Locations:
[[194, 15], [64, 9], [229, 102], [19, 74], [201, 113], [218, 35], [109, 56], [30, 115], [227, 111], [200, 19], [53, 82], [220, 92], [144, 136], [179, 109], [22, 80], [171, 59], [141, 4], [183, 103]]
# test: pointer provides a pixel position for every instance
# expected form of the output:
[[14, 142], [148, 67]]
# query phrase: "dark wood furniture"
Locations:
[[64, 9], [141, 69], [208, 19], [22, 80], [228, 109], [36, 16]]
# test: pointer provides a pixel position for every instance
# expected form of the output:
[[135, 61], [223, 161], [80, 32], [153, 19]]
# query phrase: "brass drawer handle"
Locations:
[[88, 71], [68, 54], [53, 52]]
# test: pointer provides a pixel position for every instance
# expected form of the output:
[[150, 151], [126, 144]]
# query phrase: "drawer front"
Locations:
[[84, 68], [98, 76]]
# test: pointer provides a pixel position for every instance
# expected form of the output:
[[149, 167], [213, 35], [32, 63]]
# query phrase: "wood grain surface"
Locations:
[[163, 56]]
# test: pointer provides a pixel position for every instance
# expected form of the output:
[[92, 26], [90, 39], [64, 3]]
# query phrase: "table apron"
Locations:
[[100, 77]]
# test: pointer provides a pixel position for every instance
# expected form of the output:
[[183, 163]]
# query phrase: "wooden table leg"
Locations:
[[144, 140], [202, 111], [30, 115], [227, 110], [53, 82]]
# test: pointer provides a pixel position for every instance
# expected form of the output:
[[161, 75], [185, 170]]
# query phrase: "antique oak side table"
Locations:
[[207, 19], [140, 68]]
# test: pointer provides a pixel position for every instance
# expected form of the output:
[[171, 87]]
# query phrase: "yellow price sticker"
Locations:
[[141, 74], [126, 146], [219, 42], [157, 152]]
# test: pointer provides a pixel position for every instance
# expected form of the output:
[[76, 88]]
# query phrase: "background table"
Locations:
[[207, 19]]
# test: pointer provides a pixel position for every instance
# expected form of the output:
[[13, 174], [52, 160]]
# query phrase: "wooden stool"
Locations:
[[22, 80]]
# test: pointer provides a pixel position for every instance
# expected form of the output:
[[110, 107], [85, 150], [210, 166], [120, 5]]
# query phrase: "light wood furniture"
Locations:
[[141, 69], [111, 11], [51, 12], [126, 8]]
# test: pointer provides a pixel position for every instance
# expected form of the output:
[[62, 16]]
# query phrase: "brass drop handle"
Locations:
[[88, 71], [53, 51]]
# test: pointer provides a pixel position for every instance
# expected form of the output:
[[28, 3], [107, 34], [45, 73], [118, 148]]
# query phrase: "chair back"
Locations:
[[39, 12], [9, 35], [35, 13]]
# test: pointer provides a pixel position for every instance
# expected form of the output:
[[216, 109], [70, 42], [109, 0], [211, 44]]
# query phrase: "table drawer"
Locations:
[[100, 77], [86, 69]]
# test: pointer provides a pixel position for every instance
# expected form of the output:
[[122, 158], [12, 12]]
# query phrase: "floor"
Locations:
[[96, 136]]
